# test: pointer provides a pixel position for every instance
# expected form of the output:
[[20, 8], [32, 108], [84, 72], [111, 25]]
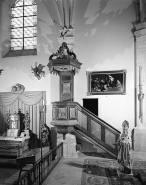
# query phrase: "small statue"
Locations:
[[38, 71], [7, 119], [26, 121], [124, 144], [65, 30]]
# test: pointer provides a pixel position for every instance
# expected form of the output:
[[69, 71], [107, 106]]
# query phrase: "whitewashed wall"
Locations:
[[104, 41]]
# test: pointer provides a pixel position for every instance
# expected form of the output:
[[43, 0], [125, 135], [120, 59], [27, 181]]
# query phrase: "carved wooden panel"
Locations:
[[82, 119], [62, 113], [72, 113], [110, 138], [96, 129]]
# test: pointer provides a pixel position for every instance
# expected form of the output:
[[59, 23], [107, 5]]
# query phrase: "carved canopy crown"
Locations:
[[63, 60]]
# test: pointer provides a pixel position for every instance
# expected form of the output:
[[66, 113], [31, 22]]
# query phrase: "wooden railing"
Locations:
[[97, 130], [36, 174]]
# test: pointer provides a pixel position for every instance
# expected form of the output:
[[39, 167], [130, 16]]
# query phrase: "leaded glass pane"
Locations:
[[17, 22], [29, 32], [17, 33], [23, 25], [29, 2], [28, 21], [19, 3], [17, 12], [17, 44], [30, 43], [28, 10]]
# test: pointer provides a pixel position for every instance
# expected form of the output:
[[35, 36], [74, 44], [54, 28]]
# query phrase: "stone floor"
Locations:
[[68, 171]]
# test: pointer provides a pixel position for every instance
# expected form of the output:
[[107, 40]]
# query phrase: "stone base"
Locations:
[[69, 146], [139, 156], [140, 138], [124, 176]]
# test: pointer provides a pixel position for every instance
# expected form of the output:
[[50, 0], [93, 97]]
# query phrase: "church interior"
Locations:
[[49, 115]]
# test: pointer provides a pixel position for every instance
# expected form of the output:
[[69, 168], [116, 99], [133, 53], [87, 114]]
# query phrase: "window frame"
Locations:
[[29, 49]]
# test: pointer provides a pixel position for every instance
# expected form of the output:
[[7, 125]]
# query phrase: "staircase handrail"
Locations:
[[95, 117]]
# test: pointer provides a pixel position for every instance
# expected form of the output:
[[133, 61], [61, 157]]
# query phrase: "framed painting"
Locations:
[[106, 82]]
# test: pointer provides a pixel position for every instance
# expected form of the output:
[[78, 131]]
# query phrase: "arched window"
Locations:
[[23, 25]]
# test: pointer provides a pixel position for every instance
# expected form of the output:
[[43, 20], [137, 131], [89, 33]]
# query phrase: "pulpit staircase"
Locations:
[[96, 131]]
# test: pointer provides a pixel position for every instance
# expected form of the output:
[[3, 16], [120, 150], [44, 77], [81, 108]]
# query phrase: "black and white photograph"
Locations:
[[72, 92]]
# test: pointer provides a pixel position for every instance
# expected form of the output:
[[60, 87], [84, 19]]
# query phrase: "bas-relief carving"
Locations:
[[62, 113], [17, 88], [66, 88], [82, 119], [72, 113], [109, 138], [96, 129]]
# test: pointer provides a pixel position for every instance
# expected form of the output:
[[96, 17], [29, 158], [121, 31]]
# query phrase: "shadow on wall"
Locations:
[[5, 47], [110, 28]]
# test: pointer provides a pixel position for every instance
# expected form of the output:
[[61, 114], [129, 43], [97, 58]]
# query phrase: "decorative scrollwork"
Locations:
[[18, 88], [63, 52]]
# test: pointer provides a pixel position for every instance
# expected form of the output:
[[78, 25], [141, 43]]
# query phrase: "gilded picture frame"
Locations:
[[106, 82]]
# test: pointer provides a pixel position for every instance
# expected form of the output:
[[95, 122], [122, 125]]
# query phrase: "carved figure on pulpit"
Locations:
[[26, 120], [63, 52], [124, 146]]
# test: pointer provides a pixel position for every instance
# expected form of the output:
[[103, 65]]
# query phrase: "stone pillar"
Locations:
[[140, 73], [140, 91]]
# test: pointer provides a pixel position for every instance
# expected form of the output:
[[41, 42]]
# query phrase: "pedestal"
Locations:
[[69, 145], [139, 153], [140, 138]]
